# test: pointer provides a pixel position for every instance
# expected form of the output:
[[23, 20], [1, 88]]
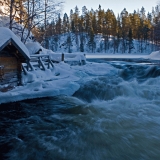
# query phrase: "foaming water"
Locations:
[[113, 117]]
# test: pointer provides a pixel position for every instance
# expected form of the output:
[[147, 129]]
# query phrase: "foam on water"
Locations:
[[116, 116]]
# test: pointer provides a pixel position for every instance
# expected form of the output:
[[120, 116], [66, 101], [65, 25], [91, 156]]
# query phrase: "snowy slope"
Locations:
[[60, 43]]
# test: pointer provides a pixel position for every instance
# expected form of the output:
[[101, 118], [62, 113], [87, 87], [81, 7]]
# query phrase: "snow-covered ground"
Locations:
[[63, 79]]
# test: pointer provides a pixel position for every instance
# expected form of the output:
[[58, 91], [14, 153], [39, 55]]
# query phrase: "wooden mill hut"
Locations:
[[12, 54]]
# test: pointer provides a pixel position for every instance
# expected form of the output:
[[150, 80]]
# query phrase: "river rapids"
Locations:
[[111, 117]]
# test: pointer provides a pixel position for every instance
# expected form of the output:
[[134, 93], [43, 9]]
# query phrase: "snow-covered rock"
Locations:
[[33, 47], [79, 59], [154, 55]]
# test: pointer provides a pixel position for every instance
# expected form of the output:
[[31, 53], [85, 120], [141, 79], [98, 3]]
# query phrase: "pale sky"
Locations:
[[116, 5]]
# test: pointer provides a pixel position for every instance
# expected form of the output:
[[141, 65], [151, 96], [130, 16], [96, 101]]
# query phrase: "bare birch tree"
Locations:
[[25, 15]]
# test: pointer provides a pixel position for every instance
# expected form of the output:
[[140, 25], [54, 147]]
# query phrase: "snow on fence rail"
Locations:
[[71, 58], [42, 62]]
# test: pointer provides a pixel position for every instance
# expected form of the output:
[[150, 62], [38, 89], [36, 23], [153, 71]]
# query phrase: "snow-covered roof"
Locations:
[[33, 47], [7, 36]]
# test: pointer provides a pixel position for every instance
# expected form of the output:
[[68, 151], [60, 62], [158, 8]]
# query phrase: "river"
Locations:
[[112, 117]]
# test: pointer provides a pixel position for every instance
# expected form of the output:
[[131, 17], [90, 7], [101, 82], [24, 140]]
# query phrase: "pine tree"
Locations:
[[69, 43], [118, 33], [84, 11], [82, 43], [142, 13], [65, 23], [100, 17], [125, 28], [130, 41], [72, 21], [94, 23], [59, 25], [91, 42], [77, 25], [81, 29]]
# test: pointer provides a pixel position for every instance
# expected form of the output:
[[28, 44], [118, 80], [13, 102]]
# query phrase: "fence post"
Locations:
[[62, 57]]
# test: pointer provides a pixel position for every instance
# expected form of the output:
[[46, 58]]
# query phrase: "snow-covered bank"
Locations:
[[63, 79], [52, 82]]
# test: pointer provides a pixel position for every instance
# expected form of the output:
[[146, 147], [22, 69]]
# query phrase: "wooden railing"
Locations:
[[42, 62]]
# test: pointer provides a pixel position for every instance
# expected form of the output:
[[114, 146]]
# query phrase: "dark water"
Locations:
[[113, 117]]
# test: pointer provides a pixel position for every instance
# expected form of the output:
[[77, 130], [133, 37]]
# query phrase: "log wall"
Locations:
[[11, 70]]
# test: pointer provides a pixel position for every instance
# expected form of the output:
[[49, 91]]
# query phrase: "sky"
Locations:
[[116, 5]]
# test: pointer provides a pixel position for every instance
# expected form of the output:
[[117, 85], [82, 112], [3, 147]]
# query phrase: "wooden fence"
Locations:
[[42, 62]]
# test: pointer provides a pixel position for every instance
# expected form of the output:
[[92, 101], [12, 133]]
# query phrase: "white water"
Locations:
[[111, 117]]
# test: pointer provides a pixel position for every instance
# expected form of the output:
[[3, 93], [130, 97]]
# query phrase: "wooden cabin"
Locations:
[[12, 54]]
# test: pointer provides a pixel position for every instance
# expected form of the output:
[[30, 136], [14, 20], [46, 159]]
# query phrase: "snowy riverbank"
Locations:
[[63, 79]]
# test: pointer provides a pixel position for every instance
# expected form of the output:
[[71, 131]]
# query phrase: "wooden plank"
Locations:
[[40, 62], [10, 78], [9, 63], [12, 70]]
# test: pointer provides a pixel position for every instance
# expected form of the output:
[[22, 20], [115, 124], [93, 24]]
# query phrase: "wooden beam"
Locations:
[[40, 62]]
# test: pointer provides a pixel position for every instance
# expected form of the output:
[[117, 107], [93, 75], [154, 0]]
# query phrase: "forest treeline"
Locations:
[[93, 30], [122, 30]]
